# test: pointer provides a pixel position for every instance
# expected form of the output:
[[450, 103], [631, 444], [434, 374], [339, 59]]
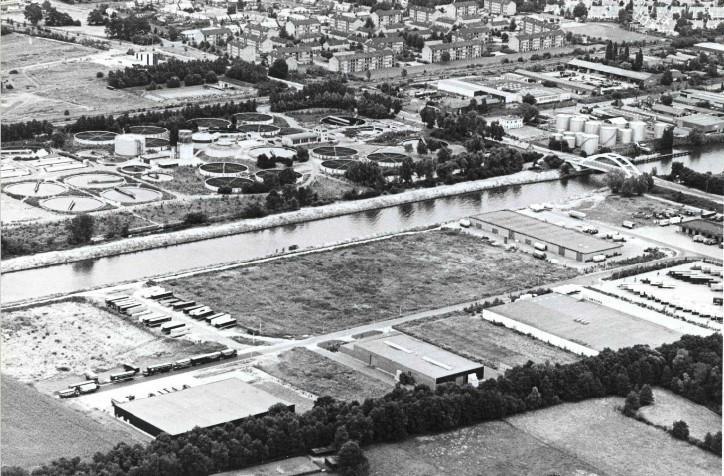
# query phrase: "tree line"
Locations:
[[707, 182], [163, 72], [24, 130], [406, 412], [331, 93]]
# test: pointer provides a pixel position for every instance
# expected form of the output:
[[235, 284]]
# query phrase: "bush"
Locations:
[[195, 218], [99, 74], [646, 396], [173, 82], [680, 430], [632, 404]]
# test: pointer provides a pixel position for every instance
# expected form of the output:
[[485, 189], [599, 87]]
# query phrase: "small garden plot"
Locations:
[[321, 376]]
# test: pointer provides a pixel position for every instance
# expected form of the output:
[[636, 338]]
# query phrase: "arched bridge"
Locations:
[[605, 162]]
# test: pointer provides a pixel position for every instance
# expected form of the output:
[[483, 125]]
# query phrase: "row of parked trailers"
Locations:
[[193, 309], [695, 277]]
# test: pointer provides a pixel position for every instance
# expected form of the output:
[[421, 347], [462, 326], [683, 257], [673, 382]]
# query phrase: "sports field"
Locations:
[[483, 341], [586, 323], [37, 429], [331, 290], [669, 407], [582, 439], [605, 31]]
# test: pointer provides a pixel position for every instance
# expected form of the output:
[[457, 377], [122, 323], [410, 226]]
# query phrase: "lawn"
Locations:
[[37, 429], [19, 51], [483, 341], [337, 289], [321, 376], [606, 31], [669, 407]]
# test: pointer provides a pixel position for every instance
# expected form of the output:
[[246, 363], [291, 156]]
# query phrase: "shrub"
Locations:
[[99, 74], [680, 430], [632, 404], [195, 218], [646, 396]]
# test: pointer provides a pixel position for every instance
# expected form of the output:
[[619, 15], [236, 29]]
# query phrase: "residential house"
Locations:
[[384, 18], [303, 28], [501, 7], [392, 42], [357, 62], [424, 15], [345, 23], [434, 52], [524, 42]]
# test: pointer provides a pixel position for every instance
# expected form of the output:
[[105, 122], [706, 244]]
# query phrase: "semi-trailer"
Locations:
[[182, 305], [223, 322], [155, 322], [169, 326], [210, 318], [123, 376], [193, 308], [158, 369], [201, 312]]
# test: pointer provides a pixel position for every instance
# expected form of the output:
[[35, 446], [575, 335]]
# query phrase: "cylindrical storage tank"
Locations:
[[638, 131], [129, 145], [659, 129], [576, 124], [608, 136], [562, 122], [592, 127], [625, 135], [185, 135], [570, 139], [590, 144], [579, 138]]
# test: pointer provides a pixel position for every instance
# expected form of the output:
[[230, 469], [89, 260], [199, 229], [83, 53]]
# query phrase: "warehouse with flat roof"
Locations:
[[428, 364], [217, 403], [511, 227], [638, 77], [705, 228]]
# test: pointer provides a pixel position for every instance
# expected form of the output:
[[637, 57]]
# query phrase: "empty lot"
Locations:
[[337, 289]]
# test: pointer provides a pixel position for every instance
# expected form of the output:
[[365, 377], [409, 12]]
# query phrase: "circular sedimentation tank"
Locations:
[[131, 195], [157, 177], [331, 152], [149, 132], [72, 204], [387, 159], [204, 137], [342, 121], [222, 169], [264, 130], [253, 118], [93, 154], [234, 184], [209, 123], [222, 148], [35, 189], [336, 166], [95, 180], [281, 152], [260, 175], [94, 138], [134, 169]]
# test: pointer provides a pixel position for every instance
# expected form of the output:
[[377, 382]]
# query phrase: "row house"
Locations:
[[469, 33], [501, 7], [261, 43], [295, 56], [458, 50], [303, 28], [420, 14], [353, 62], [534, 25], [465, 9], [394, 43], [345, 23], [214, 35], [444, 23], [261, 30], [525, 42], [384, 18]]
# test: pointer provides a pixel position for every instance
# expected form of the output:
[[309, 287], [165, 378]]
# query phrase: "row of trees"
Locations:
[[619, 183], [161, 73], [24, 130], [332, 93], [35, 13], [247, 72], [707, 182], [378, 106], [405, 412], [131, 28]]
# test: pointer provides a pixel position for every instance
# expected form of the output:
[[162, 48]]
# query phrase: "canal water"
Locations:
[[708, 159]]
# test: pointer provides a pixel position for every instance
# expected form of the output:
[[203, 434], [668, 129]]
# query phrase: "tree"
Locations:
[[211, 77], [529, 99], [666, 99], [632, 404], [341, 436], [99, 74], [279, 69], [666, 78], [352, 461], [667, 140], [421, 147], [580, 11], [638, 61], [33, 13], [57, 140], [534, 400], [528, 112], [173, 82], [445, 56], [646, 396], [680, 430], [80, 229]]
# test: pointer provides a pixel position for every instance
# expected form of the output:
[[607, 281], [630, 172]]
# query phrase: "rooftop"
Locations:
[[703, 120], [704, 226], [637, 75], [203, 406], [548, 232]]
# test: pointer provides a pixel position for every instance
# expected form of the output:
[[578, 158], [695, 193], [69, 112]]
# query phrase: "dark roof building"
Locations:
[[705, 228], [217, 403]]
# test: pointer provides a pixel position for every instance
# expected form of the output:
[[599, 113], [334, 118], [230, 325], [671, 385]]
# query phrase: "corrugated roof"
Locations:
[[610, 69]]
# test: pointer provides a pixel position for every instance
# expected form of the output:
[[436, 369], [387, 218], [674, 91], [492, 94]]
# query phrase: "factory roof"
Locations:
[[547, 232], [559, 81], [703, 120], [417, 355], [637, 75], [704, 226], [203, 406], [711, 46]]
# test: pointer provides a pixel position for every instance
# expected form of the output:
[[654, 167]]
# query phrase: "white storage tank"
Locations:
[[592, 127], [625, 135], [129, 145], [185, 147], [579, 138], [576, 123], [562, 122], [590, 144], [608, 136], [659, 129], [570, 139], [638, 130]]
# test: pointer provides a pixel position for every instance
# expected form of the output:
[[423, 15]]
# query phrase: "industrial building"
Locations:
[[705, 228], [638, 77], [505, 91], [399, 353], [703, 122], [512, 227], [205, 406]]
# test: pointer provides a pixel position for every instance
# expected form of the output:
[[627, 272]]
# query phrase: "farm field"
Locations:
[[586, 323], [321, 376], [597, 433], [588, 438], [352, 285], [669, 407], [67, 338], [37, 428], [483, 341]]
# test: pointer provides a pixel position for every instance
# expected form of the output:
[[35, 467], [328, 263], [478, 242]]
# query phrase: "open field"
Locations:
[[186, 181], [615, 209], [589, 438], [331, 189], [352, 285], [69, 337], [669, 407], [287, 467], [323, 377], [219, 206], [597, 327], [19, 51], [606, 31], [597, 433], [485, 342], [37, 429]]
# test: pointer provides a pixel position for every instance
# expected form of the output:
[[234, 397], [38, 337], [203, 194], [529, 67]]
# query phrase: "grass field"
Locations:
[[67, 338], [556, 314], [37, 429], [485, 342], [331, 189], [669, 407], [353, 285], [605, 31], [582, 439], [323, 377], [19, 51], [615, 209]]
